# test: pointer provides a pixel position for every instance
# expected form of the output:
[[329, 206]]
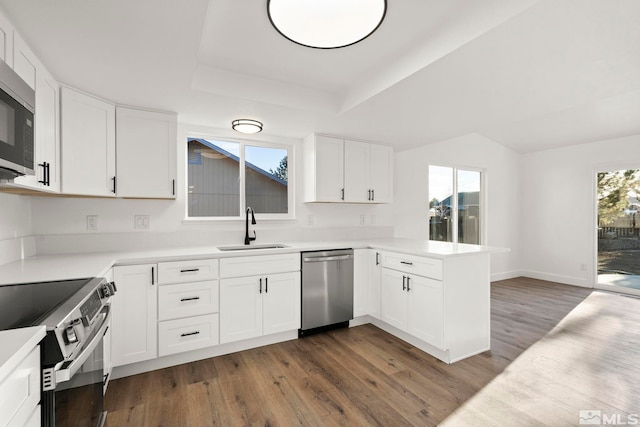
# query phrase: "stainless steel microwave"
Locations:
[[17, 106]]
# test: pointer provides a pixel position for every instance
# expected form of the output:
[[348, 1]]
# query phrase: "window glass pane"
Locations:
[[440, 198], [214, 178], [266, 179], [469, 207]]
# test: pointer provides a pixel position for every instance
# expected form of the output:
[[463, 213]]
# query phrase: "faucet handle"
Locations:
[[255, 236]]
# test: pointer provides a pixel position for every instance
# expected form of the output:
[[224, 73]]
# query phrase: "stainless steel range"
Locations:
[[76, 314]]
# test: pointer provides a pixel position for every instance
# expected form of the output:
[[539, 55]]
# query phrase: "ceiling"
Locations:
[[529, 74]]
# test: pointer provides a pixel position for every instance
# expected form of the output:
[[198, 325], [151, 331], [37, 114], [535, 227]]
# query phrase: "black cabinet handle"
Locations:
[[186, 334], [369, 196], [114, 185], [44, 173], [189, 299], [191, 270], [261, 285], [105, 377], [342, 194], [408, 281], [406, 263], [377, 258], [173, 187], [266, 284], [404, 286], [153, 275], [373, 195]]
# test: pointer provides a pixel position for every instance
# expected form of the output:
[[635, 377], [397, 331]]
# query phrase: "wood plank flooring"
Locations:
[[357, 376]]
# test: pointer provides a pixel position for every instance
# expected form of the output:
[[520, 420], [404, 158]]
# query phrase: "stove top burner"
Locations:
[[29, 304]]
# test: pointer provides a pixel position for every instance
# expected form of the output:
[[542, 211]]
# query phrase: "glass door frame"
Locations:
[[607, 167]]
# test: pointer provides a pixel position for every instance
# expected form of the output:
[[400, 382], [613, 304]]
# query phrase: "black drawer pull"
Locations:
[[190, 270], [186, 334], [406, 262], [189, 299]]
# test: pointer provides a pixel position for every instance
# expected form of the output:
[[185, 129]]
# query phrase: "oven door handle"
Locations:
[[68, 372]]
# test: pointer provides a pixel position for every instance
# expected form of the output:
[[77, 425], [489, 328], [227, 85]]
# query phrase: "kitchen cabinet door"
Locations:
[[324, 169], [356, 172], [380, 173], [47, 135], [146, 153], [6, 40], [374, 289], [24, 61], [135, 314], [362, 271], [425, 311], [281, 303], [393, 303], [240, 309], [88, 144]]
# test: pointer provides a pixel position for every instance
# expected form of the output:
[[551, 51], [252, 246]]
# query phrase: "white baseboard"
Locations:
[[495, 277], [567, 280]]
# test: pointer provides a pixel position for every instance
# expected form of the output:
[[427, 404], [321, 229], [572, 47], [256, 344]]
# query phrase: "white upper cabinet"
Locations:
[[323, 169], [6, 40], [88, 144], [338, 170], [47, 116], [24, 61], [146, 154]]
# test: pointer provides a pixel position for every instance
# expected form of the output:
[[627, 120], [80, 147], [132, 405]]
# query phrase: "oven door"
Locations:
[[78, 394]]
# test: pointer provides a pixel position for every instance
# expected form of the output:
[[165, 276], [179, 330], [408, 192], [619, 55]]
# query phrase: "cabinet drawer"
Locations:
[[176, 336], [421, 266], [259, 265], [187, 299], [20, 391], [187, 271]]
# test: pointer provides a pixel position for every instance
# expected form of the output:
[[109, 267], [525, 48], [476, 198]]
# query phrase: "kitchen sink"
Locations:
[[252, 247]]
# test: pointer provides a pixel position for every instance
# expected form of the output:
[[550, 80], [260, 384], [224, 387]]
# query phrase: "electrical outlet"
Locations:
[[92, 222], [141, 221], [363, 219]]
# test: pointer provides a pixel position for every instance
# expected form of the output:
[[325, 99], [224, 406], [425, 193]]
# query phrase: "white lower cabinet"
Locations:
[[190, 333], [413, 304], [259, 305], [366, 283], [135, 314], [20, 392]]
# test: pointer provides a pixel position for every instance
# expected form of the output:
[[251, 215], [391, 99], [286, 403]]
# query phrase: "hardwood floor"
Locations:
[[356, 376]]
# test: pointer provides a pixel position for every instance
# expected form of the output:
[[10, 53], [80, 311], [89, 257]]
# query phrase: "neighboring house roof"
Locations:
[[464, 199], [237, 159]]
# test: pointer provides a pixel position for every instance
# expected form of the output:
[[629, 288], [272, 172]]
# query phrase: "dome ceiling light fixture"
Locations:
[[246, 126], [326, 24]]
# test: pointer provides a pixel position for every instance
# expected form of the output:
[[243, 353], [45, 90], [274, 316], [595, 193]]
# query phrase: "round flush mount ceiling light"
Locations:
[[246, 126], [326, 24]]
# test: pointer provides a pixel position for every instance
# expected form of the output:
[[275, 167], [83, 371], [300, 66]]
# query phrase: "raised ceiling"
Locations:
[[530, 74]]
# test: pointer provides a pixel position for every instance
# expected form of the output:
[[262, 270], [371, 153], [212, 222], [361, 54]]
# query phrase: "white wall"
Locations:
[[15, 226], [502, 174], [558, 202], [60, 223]]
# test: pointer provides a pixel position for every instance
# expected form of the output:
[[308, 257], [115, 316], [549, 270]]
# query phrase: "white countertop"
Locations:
[[73, 266], [16, 345]]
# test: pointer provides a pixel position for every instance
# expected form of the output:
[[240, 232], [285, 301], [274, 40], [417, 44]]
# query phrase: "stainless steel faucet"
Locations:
[[247, 239]]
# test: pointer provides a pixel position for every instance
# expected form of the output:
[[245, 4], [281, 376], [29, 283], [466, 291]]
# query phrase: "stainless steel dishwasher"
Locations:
[[327, 289]]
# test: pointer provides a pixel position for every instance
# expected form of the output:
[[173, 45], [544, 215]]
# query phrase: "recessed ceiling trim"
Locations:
[[326, 24]]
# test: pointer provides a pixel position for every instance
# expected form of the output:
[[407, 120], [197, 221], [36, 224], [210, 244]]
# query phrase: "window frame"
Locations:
[[454, 208], [291, 176]]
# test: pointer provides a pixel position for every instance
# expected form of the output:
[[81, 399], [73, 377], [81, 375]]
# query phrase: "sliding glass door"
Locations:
[[618, 230], [455, 205]]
